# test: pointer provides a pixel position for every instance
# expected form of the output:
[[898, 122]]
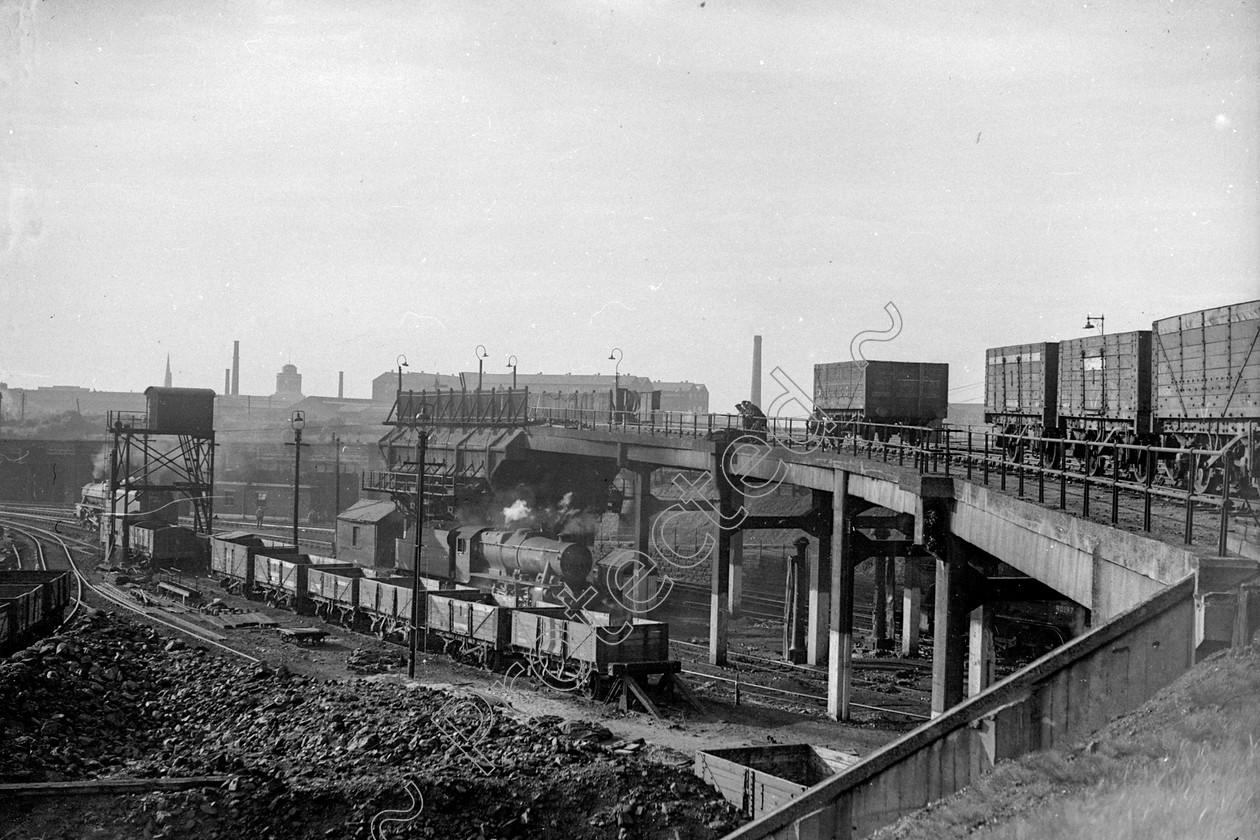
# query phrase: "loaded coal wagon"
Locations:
[[232, 557], [1206, 390], [884, 394]]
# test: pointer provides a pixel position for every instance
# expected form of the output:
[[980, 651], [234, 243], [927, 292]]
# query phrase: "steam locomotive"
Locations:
[[1191, 382], [520, 567]]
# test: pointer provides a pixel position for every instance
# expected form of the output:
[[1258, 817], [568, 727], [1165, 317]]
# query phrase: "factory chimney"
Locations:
[[236, 368], [227, 382], [756, 372], [341, 384]]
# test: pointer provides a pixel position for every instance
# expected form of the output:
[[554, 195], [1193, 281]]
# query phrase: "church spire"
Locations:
[[168, 370]]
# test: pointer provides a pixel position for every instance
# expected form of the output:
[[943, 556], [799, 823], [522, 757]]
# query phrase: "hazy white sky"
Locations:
[[338, 183]]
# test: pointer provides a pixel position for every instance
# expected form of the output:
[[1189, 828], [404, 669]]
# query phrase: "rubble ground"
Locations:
[[110, 698]]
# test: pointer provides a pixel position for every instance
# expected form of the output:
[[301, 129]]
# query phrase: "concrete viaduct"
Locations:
[[861, 509]]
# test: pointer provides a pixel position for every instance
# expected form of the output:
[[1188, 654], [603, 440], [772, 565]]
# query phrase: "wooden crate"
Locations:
[[758, 780]]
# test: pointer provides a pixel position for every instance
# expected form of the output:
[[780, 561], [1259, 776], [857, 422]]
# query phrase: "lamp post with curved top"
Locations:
[[402, 363], [512, 364], [481, 358], [616, 355]]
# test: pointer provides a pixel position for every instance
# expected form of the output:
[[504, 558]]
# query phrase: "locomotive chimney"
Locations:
[[341, 384], [236, 368], [755, 395]]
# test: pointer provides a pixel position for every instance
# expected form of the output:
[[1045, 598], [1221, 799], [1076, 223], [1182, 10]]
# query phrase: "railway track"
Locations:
[[15, 520]]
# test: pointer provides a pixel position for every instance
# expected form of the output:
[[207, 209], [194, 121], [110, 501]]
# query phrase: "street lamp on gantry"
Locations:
[[512, 364], [481, 358], [616, 355], [402, 363], [298, 421], [1089, 323]]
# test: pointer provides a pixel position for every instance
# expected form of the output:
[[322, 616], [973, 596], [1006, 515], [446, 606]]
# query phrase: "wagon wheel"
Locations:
[[590, 686], [492, 660], [1052, 454], [1100, 465], [1204, 476], [1140, 469]]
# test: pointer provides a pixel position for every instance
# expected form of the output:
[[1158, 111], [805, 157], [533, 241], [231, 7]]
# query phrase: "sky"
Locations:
[[333, 184]]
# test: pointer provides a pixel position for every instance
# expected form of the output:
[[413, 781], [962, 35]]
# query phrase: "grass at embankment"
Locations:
[[1185, 765]]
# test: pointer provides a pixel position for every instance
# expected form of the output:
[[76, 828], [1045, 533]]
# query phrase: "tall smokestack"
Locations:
[[227, 382], [756, 371], [236, 368], [341, 384]]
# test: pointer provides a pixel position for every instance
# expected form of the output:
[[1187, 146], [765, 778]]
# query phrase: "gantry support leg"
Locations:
[[840, 662]]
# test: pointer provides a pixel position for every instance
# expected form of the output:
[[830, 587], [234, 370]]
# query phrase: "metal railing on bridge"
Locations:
[[1190, 478], [1098, 473]]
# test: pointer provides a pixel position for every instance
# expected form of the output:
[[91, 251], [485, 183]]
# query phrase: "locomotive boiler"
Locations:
[[521, 564]]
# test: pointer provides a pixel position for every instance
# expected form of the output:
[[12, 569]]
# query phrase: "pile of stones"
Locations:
[[315, 758], [365, 661]]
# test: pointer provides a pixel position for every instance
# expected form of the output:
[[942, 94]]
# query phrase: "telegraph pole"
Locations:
[[336, 488], [421, 454]]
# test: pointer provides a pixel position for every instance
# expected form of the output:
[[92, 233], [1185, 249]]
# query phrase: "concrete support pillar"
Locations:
[[840, 661], [980, 659], [816, 635], [642, 531], [890, 603], [720, 579], [1080, 620], [884, 616], [911, 607], [949, 643], [736, 592], [798, 598]]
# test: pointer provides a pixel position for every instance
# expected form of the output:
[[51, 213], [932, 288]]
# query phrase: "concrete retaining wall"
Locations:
[[1053, 703]]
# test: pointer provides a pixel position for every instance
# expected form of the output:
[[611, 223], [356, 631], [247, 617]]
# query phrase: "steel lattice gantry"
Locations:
[[164, 456], [459, 435]]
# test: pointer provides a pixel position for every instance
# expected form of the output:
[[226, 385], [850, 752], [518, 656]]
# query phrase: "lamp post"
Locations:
[[298, 421], [512, 364], [481, 357], [402, 363], [1089, 323], [616, 355]]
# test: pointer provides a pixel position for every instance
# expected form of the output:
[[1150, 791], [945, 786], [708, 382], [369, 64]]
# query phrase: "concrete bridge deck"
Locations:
[[957, 506]]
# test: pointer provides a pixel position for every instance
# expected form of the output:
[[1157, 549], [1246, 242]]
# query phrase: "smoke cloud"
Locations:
[[100, 464]]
